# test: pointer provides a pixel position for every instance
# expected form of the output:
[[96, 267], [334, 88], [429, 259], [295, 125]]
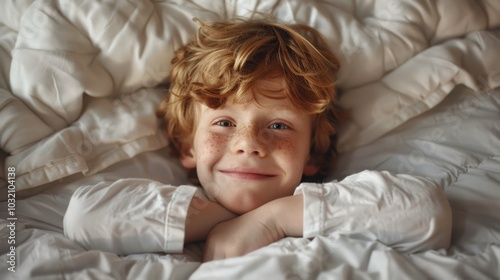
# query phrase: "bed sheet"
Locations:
[[80, 80]]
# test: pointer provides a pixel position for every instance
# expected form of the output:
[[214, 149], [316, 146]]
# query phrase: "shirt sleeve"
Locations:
[[129, 216], [407, 213]]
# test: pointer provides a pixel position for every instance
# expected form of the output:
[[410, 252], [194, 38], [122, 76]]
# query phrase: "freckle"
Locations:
[[285, 146], [216, 141]]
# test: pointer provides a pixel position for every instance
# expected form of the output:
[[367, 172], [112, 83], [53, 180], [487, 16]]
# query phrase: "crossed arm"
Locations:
[[407, 213], [228, 235]]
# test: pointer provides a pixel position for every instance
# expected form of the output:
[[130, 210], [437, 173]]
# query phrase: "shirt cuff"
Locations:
[[314, 208], [176, 214]]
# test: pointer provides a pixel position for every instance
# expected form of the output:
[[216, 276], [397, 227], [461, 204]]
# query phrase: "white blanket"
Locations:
[[79, 86]]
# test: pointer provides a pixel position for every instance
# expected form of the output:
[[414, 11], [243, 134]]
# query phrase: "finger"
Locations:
[[211, 253], [211, 256], [207, 253]]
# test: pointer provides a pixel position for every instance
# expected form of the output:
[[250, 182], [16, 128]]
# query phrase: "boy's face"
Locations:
[[250, 153]]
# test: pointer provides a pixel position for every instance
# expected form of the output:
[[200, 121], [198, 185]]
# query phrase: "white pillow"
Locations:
[[418, 85]]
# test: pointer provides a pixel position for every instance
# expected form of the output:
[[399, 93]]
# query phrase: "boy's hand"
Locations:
[[241, 235], [202, 216], [255, 229]]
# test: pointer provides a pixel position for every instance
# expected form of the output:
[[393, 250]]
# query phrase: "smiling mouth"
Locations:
[[247, 175]]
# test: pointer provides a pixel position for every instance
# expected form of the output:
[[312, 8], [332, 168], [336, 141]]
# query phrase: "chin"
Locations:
[[243, 204], [244, 199], [238, 208]]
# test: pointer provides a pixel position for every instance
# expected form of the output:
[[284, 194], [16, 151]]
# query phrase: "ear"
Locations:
[[187, 156], [312, 166]]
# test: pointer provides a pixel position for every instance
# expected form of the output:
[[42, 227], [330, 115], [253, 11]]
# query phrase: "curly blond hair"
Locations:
[[226, 58]]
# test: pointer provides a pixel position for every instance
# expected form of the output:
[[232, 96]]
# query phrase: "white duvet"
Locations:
[[78, 90]]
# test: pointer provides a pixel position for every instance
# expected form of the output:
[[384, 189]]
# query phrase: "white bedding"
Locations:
[[78, 93]]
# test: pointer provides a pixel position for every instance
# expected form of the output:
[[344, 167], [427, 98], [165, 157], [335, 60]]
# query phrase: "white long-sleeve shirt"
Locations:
[[407, 213]]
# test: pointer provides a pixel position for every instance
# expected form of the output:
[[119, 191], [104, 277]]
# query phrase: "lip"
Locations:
[[247, 174]]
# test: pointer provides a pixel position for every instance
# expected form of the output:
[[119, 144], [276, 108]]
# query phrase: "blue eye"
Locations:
[[224, 123], [278, 126]]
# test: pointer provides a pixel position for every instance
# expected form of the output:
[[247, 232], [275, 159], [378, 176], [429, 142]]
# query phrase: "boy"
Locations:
[[251, 109]]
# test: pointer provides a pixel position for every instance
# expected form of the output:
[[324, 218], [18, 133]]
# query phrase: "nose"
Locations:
[[251, 140]]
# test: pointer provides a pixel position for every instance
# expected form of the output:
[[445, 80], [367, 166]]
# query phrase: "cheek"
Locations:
[[293, 155], [281, 144], [288, 147], [284, 146], [212, 144]]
